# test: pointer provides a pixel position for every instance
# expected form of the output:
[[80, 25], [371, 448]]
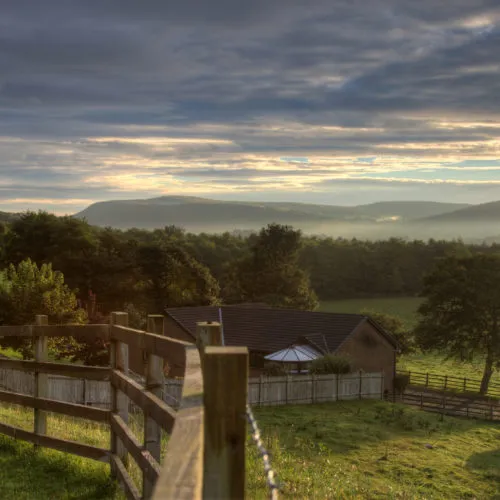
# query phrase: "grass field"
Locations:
[[403, 307], [360, 449], [371, 450], [436, 363]]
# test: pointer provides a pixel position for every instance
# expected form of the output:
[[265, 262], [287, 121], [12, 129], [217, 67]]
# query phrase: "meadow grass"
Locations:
[[439, 364], [373, 449], [357, 449], [402, 307]]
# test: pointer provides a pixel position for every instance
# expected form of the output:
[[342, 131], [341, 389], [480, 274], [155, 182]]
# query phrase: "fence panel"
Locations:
[[295, 389]]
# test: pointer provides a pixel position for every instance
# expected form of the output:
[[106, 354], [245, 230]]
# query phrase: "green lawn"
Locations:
[[438, 364], [372, 450], [403, 307], [359, 449]]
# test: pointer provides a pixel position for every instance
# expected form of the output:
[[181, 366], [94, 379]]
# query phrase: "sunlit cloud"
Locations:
[[264, 99]]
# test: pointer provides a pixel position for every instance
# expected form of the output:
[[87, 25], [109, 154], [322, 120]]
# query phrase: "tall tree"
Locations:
[[272, 272], [171, 277], [461, 311], [27, 290]]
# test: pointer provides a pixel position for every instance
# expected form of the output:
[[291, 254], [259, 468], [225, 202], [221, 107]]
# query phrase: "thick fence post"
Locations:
[[360, 384], [41, 379], [154, 383], [119, 400], [225, 399], [208, 333]]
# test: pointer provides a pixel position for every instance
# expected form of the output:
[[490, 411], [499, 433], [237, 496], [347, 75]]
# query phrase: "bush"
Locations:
[[331, 363], [274, 370], [401, 382]]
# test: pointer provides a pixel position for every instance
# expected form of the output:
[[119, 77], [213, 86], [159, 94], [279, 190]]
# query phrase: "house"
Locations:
[[265, 330]]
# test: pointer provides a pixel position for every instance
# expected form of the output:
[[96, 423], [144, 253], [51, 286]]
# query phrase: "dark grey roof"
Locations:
[[269, 329]]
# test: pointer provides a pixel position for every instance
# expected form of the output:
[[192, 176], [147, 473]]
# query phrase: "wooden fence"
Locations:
[[448, 383], [262, 391], [205, 457], [458, 405]]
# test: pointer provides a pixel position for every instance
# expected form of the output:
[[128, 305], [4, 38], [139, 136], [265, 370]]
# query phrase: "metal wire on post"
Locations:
[[256, 437]]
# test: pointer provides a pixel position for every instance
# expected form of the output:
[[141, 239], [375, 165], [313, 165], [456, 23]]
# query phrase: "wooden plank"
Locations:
[[154, 382], [101, 331], [64, 369], [144, 459], [130, 336], [16, 331], [71, 409], [123, 478], [41, 349], [82, 450], [181, 477], [88, 331], [157, 409], [164, 347], [119, 400], [225, 372]]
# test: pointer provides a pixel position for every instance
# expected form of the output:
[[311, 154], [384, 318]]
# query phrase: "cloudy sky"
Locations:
[[339, 102]]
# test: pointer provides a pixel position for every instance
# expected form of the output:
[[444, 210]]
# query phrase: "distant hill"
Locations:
[[485, 212], [201, 214]]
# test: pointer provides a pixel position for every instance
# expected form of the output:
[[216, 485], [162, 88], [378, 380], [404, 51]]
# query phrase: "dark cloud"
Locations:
[[70, 70]]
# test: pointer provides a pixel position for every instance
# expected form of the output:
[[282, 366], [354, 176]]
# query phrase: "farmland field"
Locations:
[[403, 307], [371, 449], [358, 449], [438, 364]]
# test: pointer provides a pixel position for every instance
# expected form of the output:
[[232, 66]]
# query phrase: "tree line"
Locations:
[[51, 264]]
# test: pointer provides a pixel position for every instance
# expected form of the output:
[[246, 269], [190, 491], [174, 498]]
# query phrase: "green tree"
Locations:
[[461, 311], [395, 327], [67, 243], [272, 272], [27, 290], [172, 278]]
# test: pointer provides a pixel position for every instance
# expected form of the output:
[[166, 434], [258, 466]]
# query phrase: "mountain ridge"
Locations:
[[195, 211]]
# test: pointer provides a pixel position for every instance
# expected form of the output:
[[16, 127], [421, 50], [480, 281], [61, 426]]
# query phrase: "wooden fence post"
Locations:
[[41, 380], [119, 401], [261, 380], [154, 381], [445, 382], [207, 333], [225, 399], [313, 388], [337, 382], [360, 384], [426, 380], [287, 384], [465, 384], [382, 386]]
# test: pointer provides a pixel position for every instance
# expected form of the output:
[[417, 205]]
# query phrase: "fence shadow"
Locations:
[[81, 479]]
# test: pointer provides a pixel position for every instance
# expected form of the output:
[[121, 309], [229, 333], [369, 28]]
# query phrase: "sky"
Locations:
[[336, 102]]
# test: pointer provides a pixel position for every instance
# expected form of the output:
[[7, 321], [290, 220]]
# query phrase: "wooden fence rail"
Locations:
[[188, 470], [448, 383]]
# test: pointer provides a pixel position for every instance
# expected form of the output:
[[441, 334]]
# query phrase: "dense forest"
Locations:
[[169, 267]]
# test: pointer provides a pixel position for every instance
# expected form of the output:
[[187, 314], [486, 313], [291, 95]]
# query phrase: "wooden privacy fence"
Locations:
[[448, 383], [205, 456], [262, 391]]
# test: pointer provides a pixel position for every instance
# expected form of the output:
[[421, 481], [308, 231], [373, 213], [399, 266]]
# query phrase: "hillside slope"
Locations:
[[477, 213], [205, 214]]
